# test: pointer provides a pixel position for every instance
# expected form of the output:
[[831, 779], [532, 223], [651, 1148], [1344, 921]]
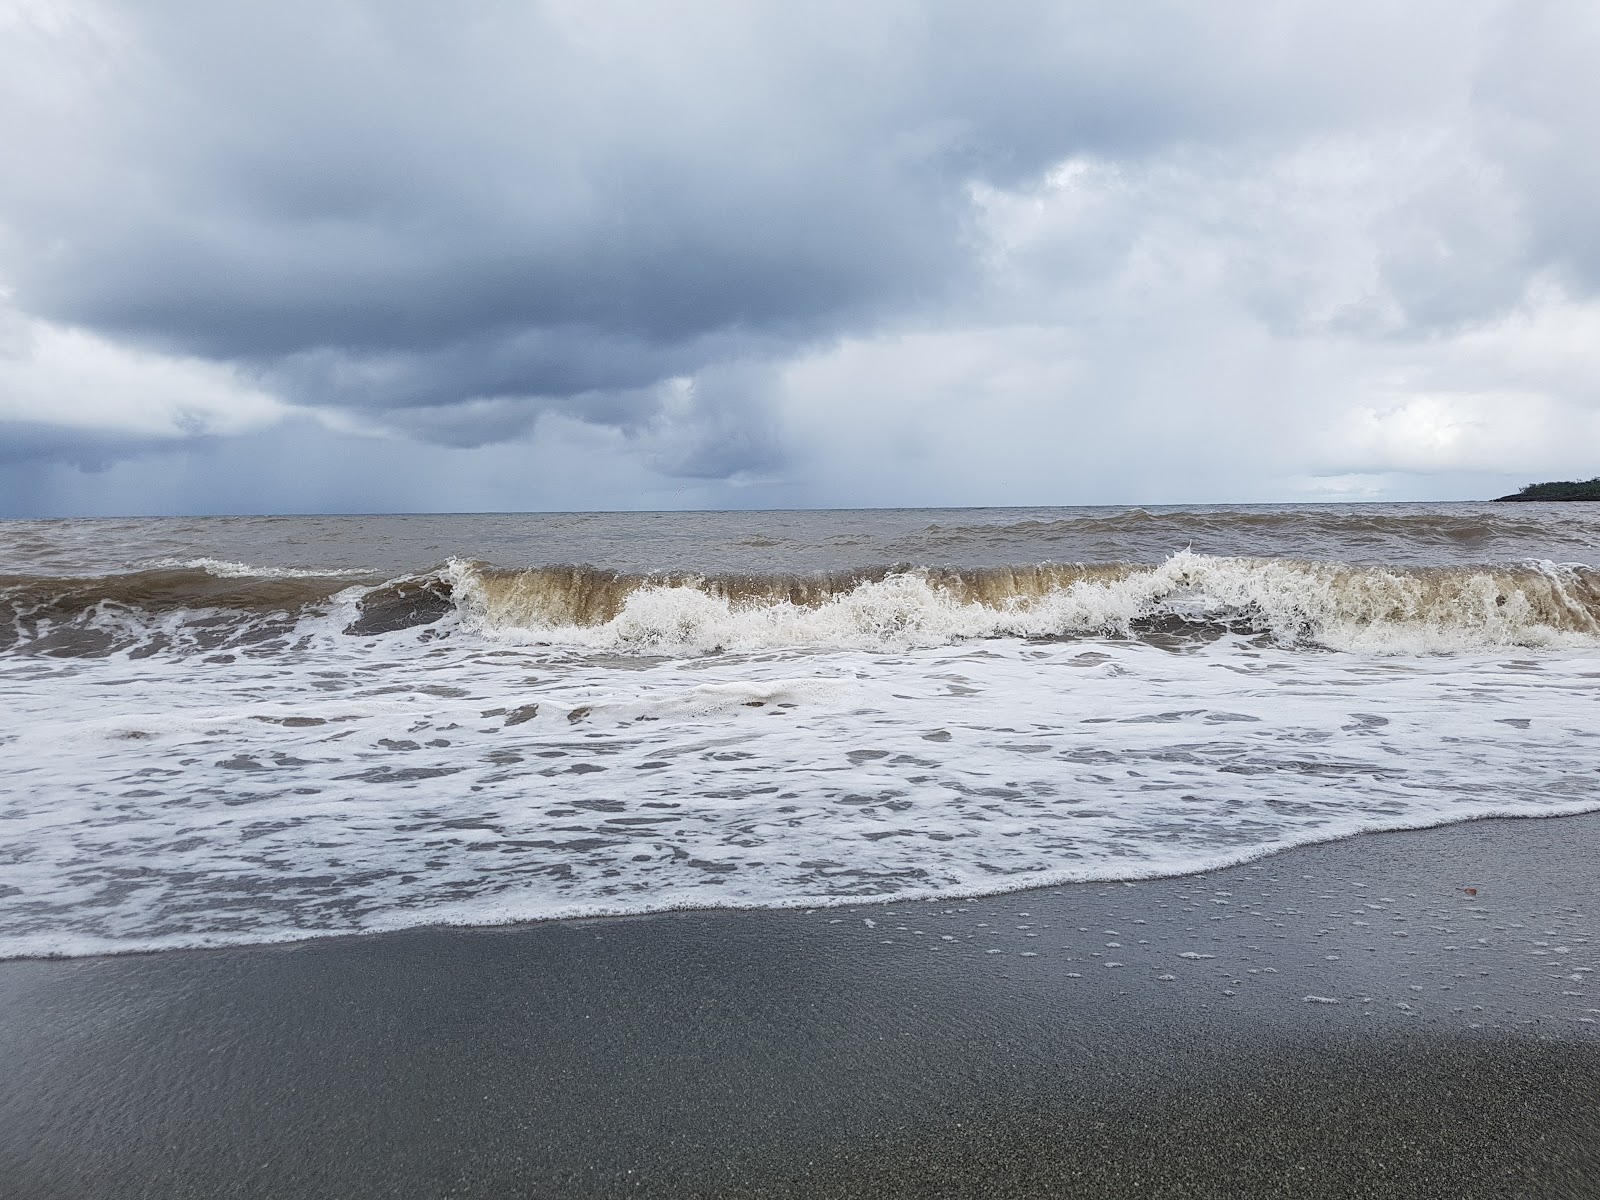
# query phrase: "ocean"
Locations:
[[229, 731]]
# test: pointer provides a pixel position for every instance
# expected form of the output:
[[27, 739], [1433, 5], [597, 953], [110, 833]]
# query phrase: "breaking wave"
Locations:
[[1335, 606], [185, 608], [209, 607]]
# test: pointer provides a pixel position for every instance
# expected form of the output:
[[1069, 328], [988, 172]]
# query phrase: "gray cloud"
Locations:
[[88, 450], [1537, 98], [471, 228]]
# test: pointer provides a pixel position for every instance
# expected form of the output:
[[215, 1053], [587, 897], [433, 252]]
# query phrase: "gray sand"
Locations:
[[1360, 1026]]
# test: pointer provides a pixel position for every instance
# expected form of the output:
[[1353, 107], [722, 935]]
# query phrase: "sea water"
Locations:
[[241, 730]]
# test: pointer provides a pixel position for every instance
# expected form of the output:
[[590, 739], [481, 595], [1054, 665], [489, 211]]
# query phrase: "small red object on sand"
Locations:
[[1470, 891]]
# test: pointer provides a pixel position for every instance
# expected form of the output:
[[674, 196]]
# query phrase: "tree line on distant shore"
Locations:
[[1586, 489]]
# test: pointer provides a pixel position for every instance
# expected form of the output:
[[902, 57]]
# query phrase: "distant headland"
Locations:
[[1588, 489]]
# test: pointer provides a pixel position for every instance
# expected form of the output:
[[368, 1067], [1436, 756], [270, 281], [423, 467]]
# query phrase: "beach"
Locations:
[[787, 600], [1338, 1020]]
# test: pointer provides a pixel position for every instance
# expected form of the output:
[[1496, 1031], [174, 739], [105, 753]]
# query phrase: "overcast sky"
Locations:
[[378, 255]]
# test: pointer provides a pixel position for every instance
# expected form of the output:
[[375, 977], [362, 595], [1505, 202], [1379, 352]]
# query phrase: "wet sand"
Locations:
[[1342, 1020]]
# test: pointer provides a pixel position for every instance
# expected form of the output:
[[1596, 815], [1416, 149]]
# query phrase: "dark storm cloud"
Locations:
[[605, 369], [383, 206], [732, 251], [86, 449], [387, 177]]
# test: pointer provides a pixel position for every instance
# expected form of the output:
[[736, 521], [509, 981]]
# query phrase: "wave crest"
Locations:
[[1295, 603], [188, 608], [1338, 606]]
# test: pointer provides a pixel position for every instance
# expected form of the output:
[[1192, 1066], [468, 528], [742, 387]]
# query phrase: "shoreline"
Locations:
[[959, 895], [1325, 1021]]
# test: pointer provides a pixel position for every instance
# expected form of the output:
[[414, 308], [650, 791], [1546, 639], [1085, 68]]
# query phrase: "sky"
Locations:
[[393, 255]]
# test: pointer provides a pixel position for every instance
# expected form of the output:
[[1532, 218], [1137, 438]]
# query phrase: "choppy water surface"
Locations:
[[241, 730]]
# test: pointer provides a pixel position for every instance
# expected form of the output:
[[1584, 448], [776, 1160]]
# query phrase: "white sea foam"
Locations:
[[228, 569], [356, 784]]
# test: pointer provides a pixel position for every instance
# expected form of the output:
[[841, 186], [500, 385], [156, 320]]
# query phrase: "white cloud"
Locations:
[[1202, 326], [58, 376]]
